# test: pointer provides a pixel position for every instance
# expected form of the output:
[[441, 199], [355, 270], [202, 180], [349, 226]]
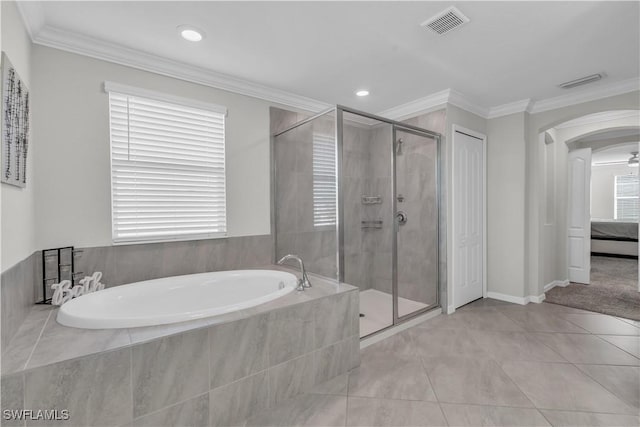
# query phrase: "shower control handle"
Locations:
[[401, 217]]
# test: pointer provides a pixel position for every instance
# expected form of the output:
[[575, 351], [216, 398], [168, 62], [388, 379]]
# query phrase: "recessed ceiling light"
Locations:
[[190, 33], [362, 93]]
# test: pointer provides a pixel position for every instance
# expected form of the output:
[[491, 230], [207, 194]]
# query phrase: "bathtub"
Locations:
[[175, 299]]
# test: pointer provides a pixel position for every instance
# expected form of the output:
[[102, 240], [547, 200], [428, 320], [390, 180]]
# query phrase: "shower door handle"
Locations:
[[401, 217]]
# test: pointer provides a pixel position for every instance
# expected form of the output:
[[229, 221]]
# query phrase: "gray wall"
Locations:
[[602, 188]]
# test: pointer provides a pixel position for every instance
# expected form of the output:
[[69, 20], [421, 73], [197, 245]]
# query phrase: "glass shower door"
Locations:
[[367, 229], [416, 222]]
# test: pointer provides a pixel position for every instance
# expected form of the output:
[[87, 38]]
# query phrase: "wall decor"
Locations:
[[15, 125]]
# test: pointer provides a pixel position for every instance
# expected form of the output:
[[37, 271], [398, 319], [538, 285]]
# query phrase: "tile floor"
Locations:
[[378, 310], [490, 363]]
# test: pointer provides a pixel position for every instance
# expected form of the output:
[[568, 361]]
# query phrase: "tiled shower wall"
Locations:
[[294, 221], [22, 284], [367, 171]]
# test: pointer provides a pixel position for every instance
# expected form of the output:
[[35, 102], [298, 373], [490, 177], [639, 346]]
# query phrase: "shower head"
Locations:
[[399, 150]]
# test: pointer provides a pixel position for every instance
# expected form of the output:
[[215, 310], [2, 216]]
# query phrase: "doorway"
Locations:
[[469, 182]]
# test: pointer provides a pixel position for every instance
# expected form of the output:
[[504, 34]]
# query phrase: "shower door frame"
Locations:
[[395, 126]]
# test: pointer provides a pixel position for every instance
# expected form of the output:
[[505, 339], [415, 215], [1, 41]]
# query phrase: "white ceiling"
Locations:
[[509, 51], [615, 154]]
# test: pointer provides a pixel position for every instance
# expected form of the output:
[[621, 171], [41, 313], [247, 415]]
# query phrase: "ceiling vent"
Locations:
[[581, 81], [446, 21]]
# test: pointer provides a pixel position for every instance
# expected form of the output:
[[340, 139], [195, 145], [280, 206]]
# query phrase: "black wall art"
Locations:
[[15, 126]]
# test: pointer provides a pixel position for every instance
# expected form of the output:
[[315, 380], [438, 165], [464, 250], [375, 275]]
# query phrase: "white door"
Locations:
[[468, 218], [579, 215]]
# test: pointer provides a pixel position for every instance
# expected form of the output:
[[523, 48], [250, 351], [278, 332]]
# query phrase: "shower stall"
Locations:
[[358, 198]]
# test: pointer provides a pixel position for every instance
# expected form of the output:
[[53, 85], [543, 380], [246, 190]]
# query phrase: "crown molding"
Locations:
[[607, 116], [460, 100], [420, 105], [99, 49], [33, 16], [521, 106], [587, 94]]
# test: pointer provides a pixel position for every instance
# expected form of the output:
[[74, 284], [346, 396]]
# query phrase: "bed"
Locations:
[[614, 238]]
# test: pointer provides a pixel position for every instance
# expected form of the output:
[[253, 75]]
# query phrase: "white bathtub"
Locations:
[[175, 299]]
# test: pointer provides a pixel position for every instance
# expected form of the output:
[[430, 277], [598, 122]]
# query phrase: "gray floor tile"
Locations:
[[629, 344], [589, 419], [542, 321], [399, 377], [546, 307], [445, 342], [630, 321], [305, 410], [444, 321], [623, 381], [588, 349], [484, 303], [563, 386], [458, 379], [478, 415], [383, 412], [487, 320], [602, 324], [400, 344], [516, 346], [336, 386]]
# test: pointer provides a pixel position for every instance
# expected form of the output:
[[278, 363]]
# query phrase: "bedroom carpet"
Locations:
[[613, 289]]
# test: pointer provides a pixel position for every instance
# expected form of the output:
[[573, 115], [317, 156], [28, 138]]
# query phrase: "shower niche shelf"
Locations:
[[375, 224], [371, 200]]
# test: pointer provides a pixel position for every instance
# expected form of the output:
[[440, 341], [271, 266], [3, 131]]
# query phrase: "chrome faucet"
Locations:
[[303, 282]]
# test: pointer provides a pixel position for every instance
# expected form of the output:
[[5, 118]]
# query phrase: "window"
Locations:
[[167, 167], [626, 197], [324, 180]]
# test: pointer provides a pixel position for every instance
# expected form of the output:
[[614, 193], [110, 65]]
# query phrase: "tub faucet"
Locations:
[[303, 282]]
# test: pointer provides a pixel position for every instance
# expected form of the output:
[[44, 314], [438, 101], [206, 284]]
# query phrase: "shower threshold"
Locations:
[[376, 306]]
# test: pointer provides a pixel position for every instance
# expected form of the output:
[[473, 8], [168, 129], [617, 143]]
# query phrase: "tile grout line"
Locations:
[[605, 387], [610, 343], [133, 411], [171, 406], [46, 322], [424, 368]]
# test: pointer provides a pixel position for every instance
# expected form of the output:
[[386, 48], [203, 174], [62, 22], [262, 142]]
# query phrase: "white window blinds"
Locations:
[[626, 197], [324, 180], [167, 169]]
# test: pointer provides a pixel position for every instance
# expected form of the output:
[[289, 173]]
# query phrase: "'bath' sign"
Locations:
[[63, 291]]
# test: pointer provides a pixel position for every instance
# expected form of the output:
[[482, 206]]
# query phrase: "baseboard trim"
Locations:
[[560, 283], [516, 300], [536, 299]]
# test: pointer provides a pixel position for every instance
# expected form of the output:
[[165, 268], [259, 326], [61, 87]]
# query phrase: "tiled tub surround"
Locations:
[[17, 293], [216, 371], [22, 284]]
